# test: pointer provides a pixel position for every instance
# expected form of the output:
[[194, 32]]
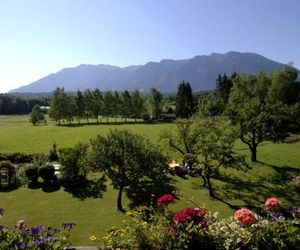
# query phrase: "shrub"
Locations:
[[32, 174], [74, 163], [47, 173]]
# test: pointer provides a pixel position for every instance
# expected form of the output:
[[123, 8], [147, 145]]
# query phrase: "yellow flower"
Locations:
[[93, 237]]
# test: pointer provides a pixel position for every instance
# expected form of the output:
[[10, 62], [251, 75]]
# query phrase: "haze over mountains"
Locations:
[[200, 71]]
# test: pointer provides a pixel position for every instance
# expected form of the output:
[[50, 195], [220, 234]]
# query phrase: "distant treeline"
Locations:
[[94, 104], [15, 105]]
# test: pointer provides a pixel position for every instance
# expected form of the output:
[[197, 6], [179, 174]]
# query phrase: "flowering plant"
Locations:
[[38, 237], [245, 216], [165, 200]]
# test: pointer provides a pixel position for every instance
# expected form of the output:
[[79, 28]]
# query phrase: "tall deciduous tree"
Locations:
[[126, 159], [57, 104], [209, 143], [137, 105], [261, 116], [126, 104], [80, 105], [155, 101]]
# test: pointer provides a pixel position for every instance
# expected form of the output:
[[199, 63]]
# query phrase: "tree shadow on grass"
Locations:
[[251, 192], [88, 189], [51, 187], [146, 191]]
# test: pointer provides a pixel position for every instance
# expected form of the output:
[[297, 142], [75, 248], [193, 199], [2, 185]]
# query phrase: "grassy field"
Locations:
[[272, 176], [18, 135]]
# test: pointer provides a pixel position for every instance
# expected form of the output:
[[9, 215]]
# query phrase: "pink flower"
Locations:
[[272, 202], [245, 216], [189, 214], [165, 200]]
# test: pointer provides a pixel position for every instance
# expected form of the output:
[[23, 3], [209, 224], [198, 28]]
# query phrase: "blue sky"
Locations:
[[39, 37]]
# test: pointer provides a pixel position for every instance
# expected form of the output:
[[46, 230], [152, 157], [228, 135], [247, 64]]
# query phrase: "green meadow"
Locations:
[[278, 164]]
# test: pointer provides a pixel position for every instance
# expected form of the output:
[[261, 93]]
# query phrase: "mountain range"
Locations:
[[200, 71]]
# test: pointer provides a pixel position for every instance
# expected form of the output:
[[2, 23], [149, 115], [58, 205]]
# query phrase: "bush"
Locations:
[[19, 157], [32, 174], [74, 163], [47, 173]]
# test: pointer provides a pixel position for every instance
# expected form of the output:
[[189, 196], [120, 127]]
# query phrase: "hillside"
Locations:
[[200, 71]]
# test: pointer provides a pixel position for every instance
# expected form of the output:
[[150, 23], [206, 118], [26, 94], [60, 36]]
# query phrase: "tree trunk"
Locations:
[[210, 189], [119, 202], [204, 181], [253, 153]]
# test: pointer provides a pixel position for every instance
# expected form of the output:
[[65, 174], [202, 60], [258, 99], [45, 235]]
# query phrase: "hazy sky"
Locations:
[[39, 37]]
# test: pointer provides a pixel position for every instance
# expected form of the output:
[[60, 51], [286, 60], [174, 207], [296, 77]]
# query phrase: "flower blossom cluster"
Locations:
[[165, 200], [190, 214], [245, 216], [271, 202]]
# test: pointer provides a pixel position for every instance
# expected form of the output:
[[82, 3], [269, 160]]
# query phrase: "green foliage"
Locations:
[[208, 142], [184, 101], [126, 159], [155, 103], [74, 163], [32, 174], [259, 112], [47, 173], [37, 115], [210, 105]]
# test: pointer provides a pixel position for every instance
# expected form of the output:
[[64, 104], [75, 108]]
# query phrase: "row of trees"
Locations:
[[14, 105], [94, 104]]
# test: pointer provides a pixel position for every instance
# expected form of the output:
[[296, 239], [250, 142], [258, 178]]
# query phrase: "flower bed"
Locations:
[[20, 236], [196, 228]]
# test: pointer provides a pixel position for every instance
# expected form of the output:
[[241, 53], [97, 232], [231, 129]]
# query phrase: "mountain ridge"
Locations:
[[201, 71]]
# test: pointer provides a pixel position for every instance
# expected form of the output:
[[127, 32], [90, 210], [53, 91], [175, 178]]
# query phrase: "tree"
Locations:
[[74, 163], [126, 159], [97, 104], [126, 104], [155, 101], [208, 142], [223, 86], [37, 115], [57, 104], [260, 117], [107, 104], [137, 105], [80, 105], [184, 100], [88, 103]]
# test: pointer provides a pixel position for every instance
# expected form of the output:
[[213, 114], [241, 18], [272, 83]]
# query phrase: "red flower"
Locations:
[[189, 214], [272, 202], [165, 200], [169, 230], [245, 216]]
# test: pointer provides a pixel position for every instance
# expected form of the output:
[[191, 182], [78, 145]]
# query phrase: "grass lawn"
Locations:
[[279, 163], [18, 135]]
